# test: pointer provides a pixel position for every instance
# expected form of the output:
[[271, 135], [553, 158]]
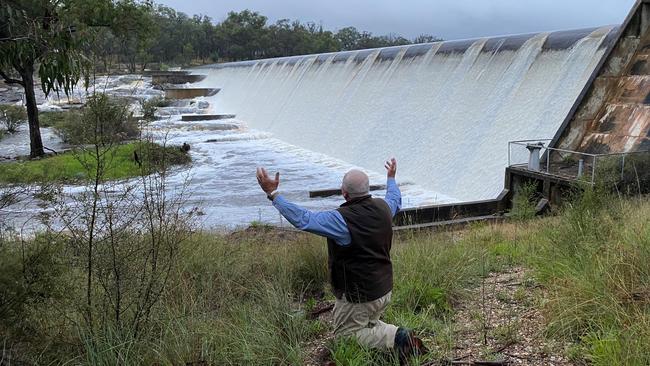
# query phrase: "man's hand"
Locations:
[[391, 167], [268, 185]]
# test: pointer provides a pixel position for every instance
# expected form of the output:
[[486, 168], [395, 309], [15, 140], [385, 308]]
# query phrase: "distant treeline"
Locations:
[[142, 33]]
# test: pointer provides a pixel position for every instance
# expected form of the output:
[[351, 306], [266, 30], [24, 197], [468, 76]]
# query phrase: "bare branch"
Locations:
[[9, 80]]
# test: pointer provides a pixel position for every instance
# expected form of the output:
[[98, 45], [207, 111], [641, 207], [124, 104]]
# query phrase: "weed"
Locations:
[[523, 203], [12, 116]]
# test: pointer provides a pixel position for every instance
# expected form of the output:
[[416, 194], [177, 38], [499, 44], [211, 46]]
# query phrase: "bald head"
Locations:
[[355, 184]]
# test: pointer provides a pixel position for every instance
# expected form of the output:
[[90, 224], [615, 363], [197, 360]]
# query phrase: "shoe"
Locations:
[[408, 345]]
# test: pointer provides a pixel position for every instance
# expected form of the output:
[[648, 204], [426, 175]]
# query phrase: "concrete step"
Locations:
[[447, 223], [164, 79], [205, 117], [337, 191], [189, 93]]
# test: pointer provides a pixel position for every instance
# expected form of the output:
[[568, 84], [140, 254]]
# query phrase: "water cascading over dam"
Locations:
[[446, 110]]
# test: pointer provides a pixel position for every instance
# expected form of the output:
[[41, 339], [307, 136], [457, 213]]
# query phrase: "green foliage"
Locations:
[[41, 35], [31, 277], [135, 29], [103, 121], [595, 263], [145, 33], [351, 39], [54, 118], [236, 298], [150, 106], [12, 116], [625, 174], [310, 272], [347, 352], [72, 167], [524, 201]]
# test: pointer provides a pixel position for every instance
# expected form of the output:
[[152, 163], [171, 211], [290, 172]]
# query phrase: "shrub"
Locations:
[[523, 203], [55, 118], [150, 106], [31, 276], [102, 121], [12, 116], [625, 174]]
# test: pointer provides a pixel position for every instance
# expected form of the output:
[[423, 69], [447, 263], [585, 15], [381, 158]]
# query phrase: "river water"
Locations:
[[221, 178]]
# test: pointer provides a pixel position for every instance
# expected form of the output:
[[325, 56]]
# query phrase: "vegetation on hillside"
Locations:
[[160, 34]]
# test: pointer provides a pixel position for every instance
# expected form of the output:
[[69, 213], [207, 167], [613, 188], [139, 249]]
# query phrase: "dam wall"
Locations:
[[445, 110], [612, 114]]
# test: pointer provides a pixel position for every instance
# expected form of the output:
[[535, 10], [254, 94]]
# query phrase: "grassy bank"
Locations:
[[243, 298], [80, 165]]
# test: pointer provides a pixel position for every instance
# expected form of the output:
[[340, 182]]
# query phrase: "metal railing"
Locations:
[[578, 165]]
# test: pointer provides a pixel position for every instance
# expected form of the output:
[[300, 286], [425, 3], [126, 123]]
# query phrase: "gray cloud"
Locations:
[[450, 19]]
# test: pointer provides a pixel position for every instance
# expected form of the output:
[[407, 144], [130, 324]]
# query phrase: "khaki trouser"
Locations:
[[362, 322]]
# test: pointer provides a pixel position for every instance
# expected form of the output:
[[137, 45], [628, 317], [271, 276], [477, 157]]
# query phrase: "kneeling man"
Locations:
[[359, 237]]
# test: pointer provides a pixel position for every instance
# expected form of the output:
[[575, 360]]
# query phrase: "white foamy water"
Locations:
[[445, 110], [221, 179]]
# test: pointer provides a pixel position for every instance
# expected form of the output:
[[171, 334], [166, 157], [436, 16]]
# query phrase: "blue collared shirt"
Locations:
[[331, 224]]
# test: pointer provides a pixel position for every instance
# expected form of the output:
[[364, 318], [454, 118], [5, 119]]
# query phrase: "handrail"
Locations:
[[549, 150]]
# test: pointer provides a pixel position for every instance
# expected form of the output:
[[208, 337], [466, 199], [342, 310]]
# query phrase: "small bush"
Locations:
[[150, 106], [624, 174], [12, 116], [102, 121], [524, 201], [55, 118], [31, 276]]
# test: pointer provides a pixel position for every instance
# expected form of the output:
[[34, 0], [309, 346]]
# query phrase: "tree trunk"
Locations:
[[35, 142]]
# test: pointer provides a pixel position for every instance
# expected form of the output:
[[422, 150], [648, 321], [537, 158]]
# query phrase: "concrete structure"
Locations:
[[189, 93], [455, 213], [337, 191], [612, 114], [175, 78], [609, 121], [447, 108], [205, 117]]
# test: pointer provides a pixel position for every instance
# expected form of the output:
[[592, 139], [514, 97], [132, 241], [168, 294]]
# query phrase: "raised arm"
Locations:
[[393, 195], [329, 224]]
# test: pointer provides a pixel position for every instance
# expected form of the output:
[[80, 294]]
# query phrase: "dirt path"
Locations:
[[497, 321], [500, 321]]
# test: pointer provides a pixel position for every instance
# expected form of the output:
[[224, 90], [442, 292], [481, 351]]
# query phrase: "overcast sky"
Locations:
[[449, 19]]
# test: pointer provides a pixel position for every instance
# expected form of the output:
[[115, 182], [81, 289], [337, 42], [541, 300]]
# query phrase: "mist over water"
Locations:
[[446, 111]]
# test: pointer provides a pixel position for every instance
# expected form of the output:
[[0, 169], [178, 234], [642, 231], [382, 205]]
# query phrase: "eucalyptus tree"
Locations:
[[39, 36]]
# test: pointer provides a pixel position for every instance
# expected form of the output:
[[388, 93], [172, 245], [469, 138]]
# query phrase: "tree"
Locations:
[[242, 35], [135, 29], [349, 38], [37, 34], [426, 38]]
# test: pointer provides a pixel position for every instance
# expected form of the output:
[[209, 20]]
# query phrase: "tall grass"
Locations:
[[242, 298], [596, 265]]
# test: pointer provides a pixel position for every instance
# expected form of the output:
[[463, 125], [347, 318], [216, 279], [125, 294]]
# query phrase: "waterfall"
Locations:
[[445, 110]]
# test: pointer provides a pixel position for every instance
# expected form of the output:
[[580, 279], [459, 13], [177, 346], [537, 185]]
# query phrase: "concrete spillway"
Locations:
[[612, 114], [445, 110]]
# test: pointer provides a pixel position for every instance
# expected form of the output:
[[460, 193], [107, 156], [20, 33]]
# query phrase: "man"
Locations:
[[359, 237]]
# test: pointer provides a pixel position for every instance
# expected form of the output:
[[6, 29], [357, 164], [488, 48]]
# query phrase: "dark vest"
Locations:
[[362, 270]]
